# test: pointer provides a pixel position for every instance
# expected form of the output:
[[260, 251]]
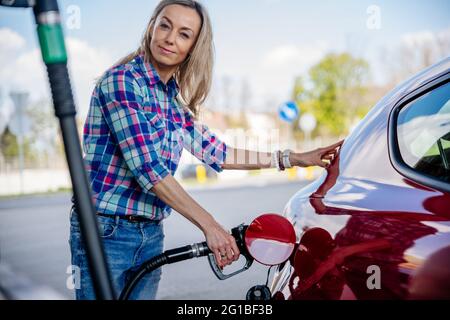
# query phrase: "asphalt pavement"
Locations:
[[34, 232]]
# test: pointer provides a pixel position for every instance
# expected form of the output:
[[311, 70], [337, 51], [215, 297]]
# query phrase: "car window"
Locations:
[[423, 133]]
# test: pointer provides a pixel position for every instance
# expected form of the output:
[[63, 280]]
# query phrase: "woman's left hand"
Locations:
[[320, 157]]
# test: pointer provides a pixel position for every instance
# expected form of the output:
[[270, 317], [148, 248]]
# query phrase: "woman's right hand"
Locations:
[[222, 244]]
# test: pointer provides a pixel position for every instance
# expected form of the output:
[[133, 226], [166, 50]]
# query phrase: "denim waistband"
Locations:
[[128, 219]]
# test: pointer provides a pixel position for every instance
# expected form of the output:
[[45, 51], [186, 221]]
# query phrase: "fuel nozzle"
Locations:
[[238, 234]]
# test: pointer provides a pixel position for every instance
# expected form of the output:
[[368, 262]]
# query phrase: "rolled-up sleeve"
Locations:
[[133, 128], [204, 144]]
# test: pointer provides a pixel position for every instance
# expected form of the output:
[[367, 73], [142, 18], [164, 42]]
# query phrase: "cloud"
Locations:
[[280, 66], [438, 43], [280, 55], [299, 58], [24, 70], [25, 73], [19, 69], [270, 74], [11, 39], [10, 43], [86, 63], [418, 38]]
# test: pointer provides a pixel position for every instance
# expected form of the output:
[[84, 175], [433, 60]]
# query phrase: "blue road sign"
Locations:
[[288, 111]]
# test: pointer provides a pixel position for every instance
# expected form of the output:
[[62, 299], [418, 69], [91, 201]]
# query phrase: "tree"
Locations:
[[337, 84], [44, 129], [414, 53], [43, 139], [9, 145]]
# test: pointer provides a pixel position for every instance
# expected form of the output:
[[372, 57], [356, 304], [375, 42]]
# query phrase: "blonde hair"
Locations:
[[194, 76]]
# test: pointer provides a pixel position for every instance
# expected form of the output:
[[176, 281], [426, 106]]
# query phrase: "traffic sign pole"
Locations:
[[288, 112], [307, 124], [20, 101]]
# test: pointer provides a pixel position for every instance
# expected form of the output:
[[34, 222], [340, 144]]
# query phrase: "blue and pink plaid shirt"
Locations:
[[134, 136]]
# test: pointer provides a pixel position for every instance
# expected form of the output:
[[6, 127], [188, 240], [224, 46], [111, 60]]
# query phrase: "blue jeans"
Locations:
[[127, 245]]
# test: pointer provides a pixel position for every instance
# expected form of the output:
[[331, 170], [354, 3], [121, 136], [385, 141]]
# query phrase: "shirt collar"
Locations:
[[153, 77]]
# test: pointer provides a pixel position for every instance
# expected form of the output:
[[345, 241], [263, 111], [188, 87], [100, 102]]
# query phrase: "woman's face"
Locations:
[[175, 32]]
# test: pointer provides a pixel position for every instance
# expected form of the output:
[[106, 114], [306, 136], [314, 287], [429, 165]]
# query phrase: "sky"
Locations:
[[264, 43]]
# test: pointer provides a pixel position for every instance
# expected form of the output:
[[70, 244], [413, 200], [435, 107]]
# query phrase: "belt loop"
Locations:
[[116, 219]]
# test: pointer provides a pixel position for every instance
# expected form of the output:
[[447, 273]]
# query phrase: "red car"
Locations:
[[376, 224]]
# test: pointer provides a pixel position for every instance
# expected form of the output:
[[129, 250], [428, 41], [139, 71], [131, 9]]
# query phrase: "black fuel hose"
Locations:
[[170, 256]]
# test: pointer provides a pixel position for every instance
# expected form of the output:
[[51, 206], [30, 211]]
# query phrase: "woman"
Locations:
[[143, 112]]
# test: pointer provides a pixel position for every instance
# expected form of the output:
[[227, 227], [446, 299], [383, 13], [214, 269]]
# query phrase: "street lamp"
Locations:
[[19, 126], [307, 124]]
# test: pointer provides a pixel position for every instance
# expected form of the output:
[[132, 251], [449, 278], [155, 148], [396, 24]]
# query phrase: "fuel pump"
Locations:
[[51, 40]]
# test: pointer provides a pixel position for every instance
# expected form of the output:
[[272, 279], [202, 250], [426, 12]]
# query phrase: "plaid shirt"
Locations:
[[134, 136]]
